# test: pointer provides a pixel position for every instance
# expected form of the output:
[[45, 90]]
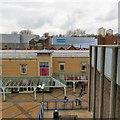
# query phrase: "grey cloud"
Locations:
[[33, 23], [58, 15], [110, 16]]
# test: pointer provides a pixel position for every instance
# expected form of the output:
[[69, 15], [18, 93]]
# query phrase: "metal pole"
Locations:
[[89, 80], [43, 100], [102, 64], [94, 80], [113, 83], [43, 95]]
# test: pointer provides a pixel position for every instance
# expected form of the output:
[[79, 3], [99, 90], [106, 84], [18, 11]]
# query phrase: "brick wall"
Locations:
[[11, 67], [71, 64]]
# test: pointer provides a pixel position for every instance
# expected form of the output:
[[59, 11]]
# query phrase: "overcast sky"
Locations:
[[58, 16]]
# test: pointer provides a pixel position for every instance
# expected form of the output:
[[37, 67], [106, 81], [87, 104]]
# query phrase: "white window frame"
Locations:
[[21, 70]]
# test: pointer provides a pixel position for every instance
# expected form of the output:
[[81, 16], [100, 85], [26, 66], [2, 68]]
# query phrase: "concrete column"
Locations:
[[113, 83], [73, 86], [94, 80], [27, 89], [18, 88], [34, 93], [89, 80], [65, 91], [4, 95], [102, 64]]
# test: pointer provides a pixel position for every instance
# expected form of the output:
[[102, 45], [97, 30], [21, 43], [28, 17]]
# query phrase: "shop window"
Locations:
[[23, 69]]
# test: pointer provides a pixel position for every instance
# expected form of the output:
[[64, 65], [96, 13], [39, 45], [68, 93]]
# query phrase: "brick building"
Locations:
[[29, 68], [107, 40]]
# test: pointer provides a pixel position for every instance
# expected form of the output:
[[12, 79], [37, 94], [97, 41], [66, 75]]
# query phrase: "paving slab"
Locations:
[[23, 105]]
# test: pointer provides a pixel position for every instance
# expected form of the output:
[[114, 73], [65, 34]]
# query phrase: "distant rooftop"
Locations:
[[81, 42]]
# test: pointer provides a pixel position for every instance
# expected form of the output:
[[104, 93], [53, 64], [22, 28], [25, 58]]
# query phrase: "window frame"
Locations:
[[62, 63], [82, 65], [41, 65], [23, 68]]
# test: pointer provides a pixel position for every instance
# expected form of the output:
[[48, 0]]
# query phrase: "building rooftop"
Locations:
[[71, 53], [32, 54]]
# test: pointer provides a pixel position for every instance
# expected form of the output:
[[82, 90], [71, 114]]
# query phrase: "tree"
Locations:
[[46, 34], [14, 32], [76, 33], [26, 32]]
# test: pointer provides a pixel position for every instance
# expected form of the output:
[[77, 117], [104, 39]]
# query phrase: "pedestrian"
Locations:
[[77, 100], [81, 90], [65, 98]]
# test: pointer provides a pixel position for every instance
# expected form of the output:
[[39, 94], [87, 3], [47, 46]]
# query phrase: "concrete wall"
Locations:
[[119, 17], [118, 102], [110, 86], [106, 98], [97, 94]]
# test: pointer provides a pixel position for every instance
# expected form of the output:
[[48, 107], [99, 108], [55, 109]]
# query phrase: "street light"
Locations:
[[42, 88]]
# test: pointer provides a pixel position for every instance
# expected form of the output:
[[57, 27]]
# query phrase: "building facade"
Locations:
[[15, 41], [79, 42], [13, 61], [101, 31], [69, 67], [104, 81]]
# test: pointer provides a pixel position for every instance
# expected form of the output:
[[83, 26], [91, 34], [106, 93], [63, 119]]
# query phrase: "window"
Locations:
[[44, 65], [44, 68], [23, 69], [62, 66], [83, 67]]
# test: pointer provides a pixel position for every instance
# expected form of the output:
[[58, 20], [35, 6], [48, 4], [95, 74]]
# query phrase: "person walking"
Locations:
[[81, 90], [78, 101]]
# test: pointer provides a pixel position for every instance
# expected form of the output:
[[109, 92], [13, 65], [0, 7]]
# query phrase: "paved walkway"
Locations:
[[24, 106]]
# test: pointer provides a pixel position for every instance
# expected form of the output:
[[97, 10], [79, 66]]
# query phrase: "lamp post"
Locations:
[[42, 88]]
